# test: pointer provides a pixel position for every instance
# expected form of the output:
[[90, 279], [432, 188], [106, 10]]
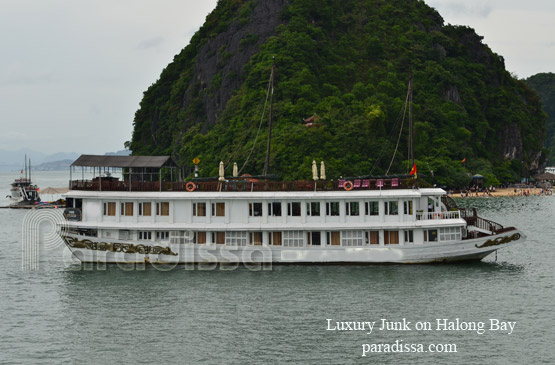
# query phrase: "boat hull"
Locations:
[[97, 250]]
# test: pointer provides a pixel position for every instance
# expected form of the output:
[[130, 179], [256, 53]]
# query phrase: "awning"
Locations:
[[124, 161]]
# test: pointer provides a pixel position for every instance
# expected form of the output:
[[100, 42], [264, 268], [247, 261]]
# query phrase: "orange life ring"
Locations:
[[348, 185], [190, 186]]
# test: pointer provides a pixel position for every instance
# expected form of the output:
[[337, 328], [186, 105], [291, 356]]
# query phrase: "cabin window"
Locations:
[[373, 237], [314, 238], [430, 235], [181, 237], [313, 209], [218, 238], [199, 238], [162, 235], [144, 236], [255, 209], [293, 239], [110, 209], [450, 234], [391, 208], [218, 209], [236, 238], [275, 238], [352, 208], [409, 236], [255, 238], [352, 238], [407, 207], [145, 209], [199, 209], [127, 209], [391, 237], [332, 208], [163, 208], [274, 209], [294, 209], [333, 238], [372, 208]]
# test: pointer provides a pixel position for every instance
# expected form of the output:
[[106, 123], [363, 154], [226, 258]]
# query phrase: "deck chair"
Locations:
[[365, 184], [394, 182], [379, 183], [341, 184], [356, 184]]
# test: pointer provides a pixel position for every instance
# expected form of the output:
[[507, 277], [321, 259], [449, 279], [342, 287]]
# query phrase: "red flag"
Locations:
[[413, 171], [463, 160]]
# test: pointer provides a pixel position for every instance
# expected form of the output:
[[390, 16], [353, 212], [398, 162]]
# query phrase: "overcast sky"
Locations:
[[72, 72]]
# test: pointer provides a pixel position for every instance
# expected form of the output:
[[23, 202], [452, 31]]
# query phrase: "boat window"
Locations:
[[373, 237], [352, 208], [255, 238], [314, 238], [450, 234], [372, 208], [255, 209], [218, 237], [333, 238], [409, 236], [162, 235], [144, 235], [390, 237], [407, 207], [163, 208], [199, 238], [294, 209], [274, 209], [145, 209], [293, 239], [332, 208], [218, 209], [275, 238], [110, 209], [430, 235], [352, 238], [199, 209], [391, 208], [313, 208], [127, 209], [236, 238]]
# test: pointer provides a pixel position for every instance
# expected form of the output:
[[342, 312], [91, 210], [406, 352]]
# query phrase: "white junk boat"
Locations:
[[145, 217], [22, 191]]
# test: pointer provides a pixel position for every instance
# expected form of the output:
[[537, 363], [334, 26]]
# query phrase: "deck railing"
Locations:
[[437, 215], [238, 185], [472, 219]]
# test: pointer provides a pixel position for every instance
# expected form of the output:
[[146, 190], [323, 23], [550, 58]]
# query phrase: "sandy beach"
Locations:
[[505, 192]]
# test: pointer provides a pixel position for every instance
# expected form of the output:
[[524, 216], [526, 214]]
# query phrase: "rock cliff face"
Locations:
[[219, 65], [348, 62], [544, 85]]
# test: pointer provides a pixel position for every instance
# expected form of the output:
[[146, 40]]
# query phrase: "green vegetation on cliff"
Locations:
[[544, 85], [347, 62]]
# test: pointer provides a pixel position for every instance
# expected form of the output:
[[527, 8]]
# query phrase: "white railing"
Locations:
[[437, 215]]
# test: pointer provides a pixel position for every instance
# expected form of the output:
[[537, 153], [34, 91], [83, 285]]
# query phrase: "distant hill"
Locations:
[[54, 165], [544, 85], [15, 160], [348, 64]]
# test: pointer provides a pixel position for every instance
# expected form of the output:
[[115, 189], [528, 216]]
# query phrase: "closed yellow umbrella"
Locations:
[[314, 171], [222, 178], [322, 171]]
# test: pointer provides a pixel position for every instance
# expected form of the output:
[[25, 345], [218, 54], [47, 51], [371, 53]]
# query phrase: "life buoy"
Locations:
[[190, 186], [348, 185]]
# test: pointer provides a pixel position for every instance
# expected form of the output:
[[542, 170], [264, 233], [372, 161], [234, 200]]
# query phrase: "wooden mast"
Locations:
[[411, 124], [267, 163]]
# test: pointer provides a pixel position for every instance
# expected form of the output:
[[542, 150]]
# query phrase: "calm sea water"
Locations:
[[61, 313]]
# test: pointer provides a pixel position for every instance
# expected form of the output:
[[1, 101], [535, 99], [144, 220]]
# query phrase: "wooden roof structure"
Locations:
[[124, 161]]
